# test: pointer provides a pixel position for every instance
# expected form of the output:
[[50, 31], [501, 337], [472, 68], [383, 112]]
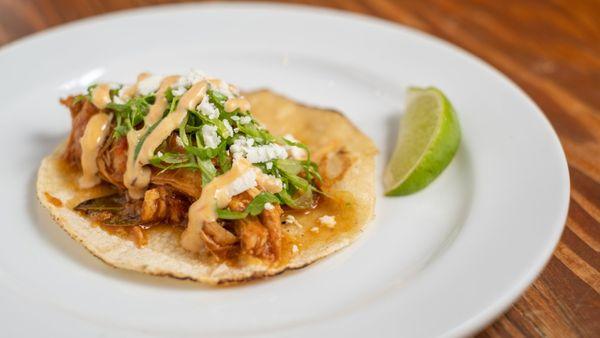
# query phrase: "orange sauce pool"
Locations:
[[341, 205]]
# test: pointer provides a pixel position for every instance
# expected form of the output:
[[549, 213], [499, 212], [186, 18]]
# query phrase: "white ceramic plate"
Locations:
[[444, 261]]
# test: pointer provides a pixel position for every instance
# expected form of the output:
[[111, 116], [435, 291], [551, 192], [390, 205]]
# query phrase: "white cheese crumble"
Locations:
[[269, 165], [295, 152], [228, 127], [186, 81], [268, 206], [235, 118], [178, 91], [192, 77], [291, 220], [208, 109], [244, 147], [328, 221], [118, 99], [149, 84], [223, 88], [265, 153], [314, 229], [295, 248], [245, 119], [240, 146], [122, 91], [242, 183], [209, 134]]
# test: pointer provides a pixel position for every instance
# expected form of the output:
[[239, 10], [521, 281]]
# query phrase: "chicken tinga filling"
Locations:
[[185, 151]]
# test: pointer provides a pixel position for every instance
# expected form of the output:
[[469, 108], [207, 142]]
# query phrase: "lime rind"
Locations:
[[428, 139]]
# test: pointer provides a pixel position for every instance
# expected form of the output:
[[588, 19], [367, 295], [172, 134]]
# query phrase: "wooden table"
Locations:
[[552, 50]]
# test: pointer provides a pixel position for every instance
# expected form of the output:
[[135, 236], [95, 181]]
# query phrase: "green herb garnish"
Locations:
[[254, 208], [130, 114], [298, 176], [138, 146]]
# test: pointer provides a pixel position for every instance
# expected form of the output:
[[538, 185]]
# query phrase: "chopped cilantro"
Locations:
[[254, 208], [298, 177]]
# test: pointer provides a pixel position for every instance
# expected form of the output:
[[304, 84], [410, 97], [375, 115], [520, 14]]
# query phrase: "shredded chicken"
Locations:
[[81, 112], [112, 160], [254, 238], [271, 219], [185, 181], [154, 207], [261, 236], [218, 239], [162, 204], [241, 201]]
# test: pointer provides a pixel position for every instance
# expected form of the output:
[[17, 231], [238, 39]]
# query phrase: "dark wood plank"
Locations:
[[551, 49]]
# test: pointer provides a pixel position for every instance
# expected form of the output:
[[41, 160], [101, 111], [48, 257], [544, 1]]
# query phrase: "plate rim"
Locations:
[[510, 295]]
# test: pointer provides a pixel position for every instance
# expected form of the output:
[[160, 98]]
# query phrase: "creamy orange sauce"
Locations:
[[136, 177], [101, 96], [165, 127], [215, 195], [93, 137], [237, 103], [130, 91]]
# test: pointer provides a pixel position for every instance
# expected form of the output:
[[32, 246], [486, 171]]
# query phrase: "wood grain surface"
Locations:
[[552, 50]]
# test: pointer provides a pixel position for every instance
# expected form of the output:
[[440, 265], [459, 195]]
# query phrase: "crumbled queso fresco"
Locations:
[[242, 183], [208, 109], [149, 84], [244, 147], [209, 134], [328, 221]]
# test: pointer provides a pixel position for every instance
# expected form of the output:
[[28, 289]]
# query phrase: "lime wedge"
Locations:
[[428, 138]]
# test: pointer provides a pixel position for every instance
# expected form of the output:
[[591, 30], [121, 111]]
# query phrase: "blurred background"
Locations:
[[551, 48]]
